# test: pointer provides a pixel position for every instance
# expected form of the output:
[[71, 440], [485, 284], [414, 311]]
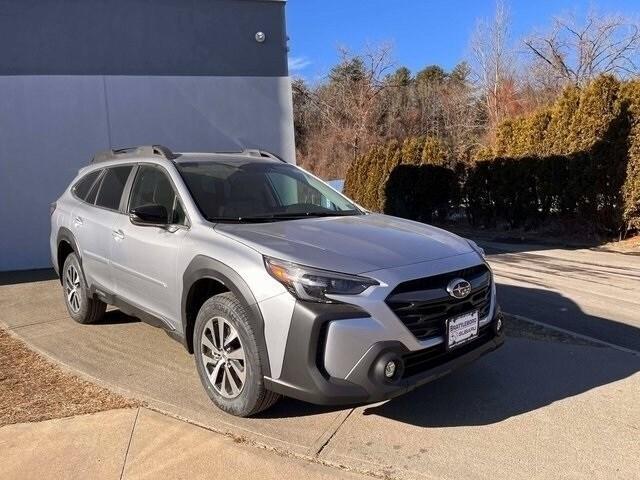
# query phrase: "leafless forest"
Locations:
[[368, 99]]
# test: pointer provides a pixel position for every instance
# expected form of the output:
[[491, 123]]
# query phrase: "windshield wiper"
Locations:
[[291, 215], [274, 217], [240, 219]]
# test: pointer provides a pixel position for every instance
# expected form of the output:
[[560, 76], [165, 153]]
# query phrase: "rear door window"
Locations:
[[81, 188], [112, 186]]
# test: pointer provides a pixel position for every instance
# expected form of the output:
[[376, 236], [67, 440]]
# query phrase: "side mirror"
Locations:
[[149, 215]]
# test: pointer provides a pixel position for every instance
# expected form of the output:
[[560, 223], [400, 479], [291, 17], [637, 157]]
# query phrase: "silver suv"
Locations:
[[278, 284]]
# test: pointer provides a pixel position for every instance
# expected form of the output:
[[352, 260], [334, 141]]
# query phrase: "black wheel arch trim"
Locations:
[[206, 267], [66, 235]]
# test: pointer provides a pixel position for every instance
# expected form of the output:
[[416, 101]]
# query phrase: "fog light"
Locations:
[[499, 324], [390, 369]]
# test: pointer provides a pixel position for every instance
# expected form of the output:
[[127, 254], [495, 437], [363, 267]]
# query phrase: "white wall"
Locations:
[[50, 126]]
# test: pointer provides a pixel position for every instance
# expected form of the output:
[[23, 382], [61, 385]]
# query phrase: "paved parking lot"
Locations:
[[543, 406]]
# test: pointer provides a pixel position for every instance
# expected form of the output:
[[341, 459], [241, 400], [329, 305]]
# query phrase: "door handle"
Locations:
[[118, 234], [77, 221]]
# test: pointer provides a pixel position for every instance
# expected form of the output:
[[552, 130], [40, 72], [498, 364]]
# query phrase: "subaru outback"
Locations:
[[276, 283]]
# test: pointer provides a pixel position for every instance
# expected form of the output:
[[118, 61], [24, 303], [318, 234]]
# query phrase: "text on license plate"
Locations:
[[461, 329]]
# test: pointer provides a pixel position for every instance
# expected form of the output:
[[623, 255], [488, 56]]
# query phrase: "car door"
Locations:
[[93, 222], [144, 257]]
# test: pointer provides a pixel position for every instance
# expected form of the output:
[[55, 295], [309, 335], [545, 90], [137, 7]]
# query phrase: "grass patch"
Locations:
[[33, 389]]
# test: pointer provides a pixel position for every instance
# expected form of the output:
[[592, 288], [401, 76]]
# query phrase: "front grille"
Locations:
[[423, 360], [424, 305]]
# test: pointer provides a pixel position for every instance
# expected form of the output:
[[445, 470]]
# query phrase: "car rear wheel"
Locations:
[[80, 305], [227, 359]]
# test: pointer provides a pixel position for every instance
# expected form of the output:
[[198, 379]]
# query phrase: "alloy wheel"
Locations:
[[223, 357], [72, 288]]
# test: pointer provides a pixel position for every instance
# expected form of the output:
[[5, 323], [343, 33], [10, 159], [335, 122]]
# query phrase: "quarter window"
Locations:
[[81, 189], [152, 187], [112, 186]]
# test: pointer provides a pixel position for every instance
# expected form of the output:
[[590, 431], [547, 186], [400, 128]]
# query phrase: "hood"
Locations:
[[351, 244]]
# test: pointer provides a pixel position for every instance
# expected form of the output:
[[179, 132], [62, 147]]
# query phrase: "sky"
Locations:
[[422, 32]]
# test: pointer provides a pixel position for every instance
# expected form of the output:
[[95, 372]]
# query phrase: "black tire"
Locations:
[[253, 397], [88, 309]]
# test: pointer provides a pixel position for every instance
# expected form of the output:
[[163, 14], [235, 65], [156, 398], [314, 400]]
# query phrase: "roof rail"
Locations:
[[134, 152], [263, 154]]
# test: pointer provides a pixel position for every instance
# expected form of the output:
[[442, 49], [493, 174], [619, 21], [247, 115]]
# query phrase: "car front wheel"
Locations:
[[227, 359]]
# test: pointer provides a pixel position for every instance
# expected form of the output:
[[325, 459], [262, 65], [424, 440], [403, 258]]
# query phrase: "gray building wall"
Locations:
[[79, 76]]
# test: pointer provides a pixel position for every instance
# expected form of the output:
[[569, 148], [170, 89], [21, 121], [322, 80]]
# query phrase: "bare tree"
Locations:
[[358, 98], [461, 119], [574, 52], [349, 106], [493, 63]]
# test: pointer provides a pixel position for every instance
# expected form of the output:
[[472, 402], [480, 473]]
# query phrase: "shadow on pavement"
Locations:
[[116, 317], [291, 408], [532, 370], [529, 372], [523, 376], [557, 310], [27, 276]]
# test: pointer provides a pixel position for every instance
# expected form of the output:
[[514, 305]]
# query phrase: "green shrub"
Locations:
[[578, 159], [420, 192], [569, 160], [526, 191], [631, 188], [367, 176]]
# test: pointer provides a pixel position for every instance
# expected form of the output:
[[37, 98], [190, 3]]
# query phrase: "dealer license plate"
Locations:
[[462, 329]]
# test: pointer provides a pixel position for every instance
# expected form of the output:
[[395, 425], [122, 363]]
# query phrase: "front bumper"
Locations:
[[304, 374]]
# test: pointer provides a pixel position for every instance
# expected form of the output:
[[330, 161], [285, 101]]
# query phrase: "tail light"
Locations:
[[52, 208]]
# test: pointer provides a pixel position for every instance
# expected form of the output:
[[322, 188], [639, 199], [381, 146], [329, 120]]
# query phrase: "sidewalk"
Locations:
[[141, 443]]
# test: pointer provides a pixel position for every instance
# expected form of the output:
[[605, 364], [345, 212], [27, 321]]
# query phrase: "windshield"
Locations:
[[260, 191]]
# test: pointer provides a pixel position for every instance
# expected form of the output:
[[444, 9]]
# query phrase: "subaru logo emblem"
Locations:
[[459, 288]]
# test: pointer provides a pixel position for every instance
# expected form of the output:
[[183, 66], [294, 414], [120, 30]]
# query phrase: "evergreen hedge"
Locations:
[[367, 180], [421, 192], [631, 187], [578, 159]]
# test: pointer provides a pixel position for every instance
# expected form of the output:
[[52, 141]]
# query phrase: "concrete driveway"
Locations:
[[592, 292], [546, 405]]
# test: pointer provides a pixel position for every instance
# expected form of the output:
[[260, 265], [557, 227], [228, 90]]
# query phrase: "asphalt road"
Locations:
[[543, 406]]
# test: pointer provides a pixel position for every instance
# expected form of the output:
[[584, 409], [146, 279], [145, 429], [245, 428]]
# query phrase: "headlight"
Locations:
[[313, 284], [479, 250]]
